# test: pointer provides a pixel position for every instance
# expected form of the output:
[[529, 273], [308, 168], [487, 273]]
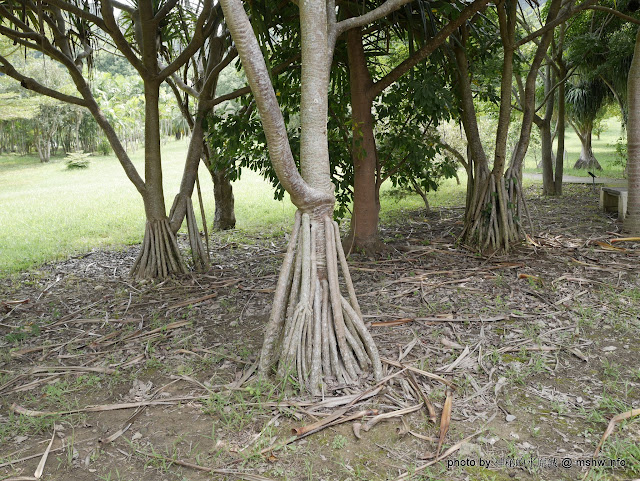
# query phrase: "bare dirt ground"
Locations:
[[534, 353]]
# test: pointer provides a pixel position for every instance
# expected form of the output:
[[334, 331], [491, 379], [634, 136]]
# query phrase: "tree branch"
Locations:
[[79, 12], [164, 11], [175, 79], [106, 7], [122, 6], [215, 71], [247, 90], [200, 35], [302, 195], [555, 87], [427, 49], [615, 12], [566, 13], [32, 84], [455, 152], [382, 11]]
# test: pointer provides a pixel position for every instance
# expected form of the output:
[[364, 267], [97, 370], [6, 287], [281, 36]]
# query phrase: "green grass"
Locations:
[[48, 212], [604, 149]]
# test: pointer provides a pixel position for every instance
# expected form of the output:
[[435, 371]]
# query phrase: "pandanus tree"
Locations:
[[584, 99], [495, 200], [68, 32], [314, 331]]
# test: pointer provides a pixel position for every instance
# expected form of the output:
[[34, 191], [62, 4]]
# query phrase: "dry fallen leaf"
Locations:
[[445, 420], [625, 239], [43, 460], [356, 430], [535, 279], [612, 425]]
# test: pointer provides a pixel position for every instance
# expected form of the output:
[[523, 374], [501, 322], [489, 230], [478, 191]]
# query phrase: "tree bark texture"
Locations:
[[159, 256], [632, 219], [548, 185], [225, 217], [559, 172], [546, 141], [363, 230]]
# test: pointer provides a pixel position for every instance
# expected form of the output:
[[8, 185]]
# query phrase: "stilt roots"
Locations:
[[494, 220], [159, 256], [314, 332], [198, 252]]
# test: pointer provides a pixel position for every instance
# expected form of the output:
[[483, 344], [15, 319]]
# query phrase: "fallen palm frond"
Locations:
[[612, 425], [420, 371], [444, 455], [43, 460], [532, 278], [445, 420], [332, 420], [421, 394], [625, 239], [186, 464], [104, 407], [392, 414]]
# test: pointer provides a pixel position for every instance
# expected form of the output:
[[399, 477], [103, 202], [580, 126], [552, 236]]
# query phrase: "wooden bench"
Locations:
[[614, 199]]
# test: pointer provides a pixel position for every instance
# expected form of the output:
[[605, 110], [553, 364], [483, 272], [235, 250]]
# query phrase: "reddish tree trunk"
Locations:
[[632, 219], [225, 217], [363, 233]]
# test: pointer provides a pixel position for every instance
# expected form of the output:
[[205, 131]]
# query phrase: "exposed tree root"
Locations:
[[494, 221], [315, 332], [588, 162], [159, 256], [198, 252]]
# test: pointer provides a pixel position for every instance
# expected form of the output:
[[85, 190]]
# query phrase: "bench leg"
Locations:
[[622, 205]]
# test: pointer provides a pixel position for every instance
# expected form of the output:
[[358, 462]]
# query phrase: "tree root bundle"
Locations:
[[159, 256], [199, 254], [495, 219], [314, 332]]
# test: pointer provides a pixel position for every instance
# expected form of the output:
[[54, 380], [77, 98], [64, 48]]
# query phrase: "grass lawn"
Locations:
[[604, 149], [48, 212]]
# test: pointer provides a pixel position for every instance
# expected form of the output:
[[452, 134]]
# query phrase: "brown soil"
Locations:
[[541, 345]]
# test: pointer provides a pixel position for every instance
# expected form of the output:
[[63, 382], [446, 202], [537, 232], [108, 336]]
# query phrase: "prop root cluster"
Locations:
[[159, 256], [314, 332], [494, 221], [198, 252]]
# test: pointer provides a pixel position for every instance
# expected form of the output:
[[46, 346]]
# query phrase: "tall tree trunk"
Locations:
[[587, 159], [559, 173], [494, 219], [544, 124], [159, 256], [548, 185], [363, 231], [487, 223], [632, 219], [225, 217], [314, 332]]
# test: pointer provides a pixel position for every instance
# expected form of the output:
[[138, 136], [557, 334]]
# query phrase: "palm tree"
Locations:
[[584, 101]]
